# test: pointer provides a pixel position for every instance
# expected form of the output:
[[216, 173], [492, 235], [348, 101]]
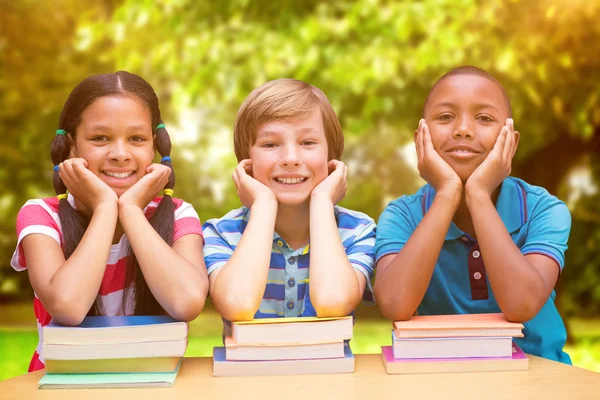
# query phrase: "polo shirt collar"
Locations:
[[511, 206]]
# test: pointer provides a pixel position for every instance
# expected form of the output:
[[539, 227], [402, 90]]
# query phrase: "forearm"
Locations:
[[74, 286], [176, 283], [401, 285], [240, 284], [518, 287], [334, 285]]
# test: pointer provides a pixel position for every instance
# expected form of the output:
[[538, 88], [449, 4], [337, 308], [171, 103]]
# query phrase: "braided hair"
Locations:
[[75, 223]]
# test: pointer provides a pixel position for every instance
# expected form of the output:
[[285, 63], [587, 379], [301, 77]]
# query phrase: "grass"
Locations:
[[19, 338]]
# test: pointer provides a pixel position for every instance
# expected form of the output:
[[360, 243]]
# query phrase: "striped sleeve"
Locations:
[[217, 250], [34, 217], [359, 248], [548, 231], [186, 221]]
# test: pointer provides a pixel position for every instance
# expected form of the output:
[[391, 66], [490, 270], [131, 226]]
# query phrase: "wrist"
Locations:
[[267, 201], [476, 196], [317, 198], [127, 208]]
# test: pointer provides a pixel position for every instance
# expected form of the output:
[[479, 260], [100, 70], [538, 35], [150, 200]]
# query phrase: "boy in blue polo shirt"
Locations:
[[473, 239], [288, 141]]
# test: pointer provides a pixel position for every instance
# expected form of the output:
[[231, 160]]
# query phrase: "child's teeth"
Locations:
[[121, 175], [290, 180]]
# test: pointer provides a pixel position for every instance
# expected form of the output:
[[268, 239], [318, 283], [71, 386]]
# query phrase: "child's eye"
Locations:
[[269, 145], [99, 138], [309, 142], [137, 139], [445, 117], [485, 118]]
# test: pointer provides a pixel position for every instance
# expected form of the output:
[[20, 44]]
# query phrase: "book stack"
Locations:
[[454, 343], [286, 346], [122, 351]]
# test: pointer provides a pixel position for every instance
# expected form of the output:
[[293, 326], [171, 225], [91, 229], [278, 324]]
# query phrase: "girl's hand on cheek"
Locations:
[[86, 187], [147, 188]]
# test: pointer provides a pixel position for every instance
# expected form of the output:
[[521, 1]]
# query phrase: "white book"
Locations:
[[292, 330], [166, 348], [454, 347], [116, 329], [222, 367], [288, 351]]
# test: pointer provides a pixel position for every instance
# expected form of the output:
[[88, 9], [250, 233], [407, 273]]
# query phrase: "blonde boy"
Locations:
[[288, 142]]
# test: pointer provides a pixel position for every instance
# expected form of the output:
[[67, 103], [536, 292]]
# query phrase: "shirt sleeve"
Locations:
[[360, 252], [217, 251], [186, 222], [395, 226], [33, 218], [548, 231]]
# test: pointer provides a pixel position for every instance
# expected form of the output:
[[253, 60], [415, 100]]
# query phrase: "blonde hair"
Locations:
[[284, 99]]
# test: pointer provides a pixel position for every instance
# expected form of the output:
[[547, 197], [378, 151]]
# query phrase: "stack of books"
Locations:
[[122, 351], [286, 346], [454, 343]]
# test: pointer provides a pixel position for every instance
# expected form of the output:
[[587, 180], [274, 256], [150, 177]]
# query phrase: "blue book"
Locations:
[[120, 380], [222, 367], [117, 329]]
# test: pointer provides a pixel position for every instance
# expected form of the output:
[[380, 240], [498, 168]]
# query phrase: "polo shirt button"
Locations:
[[476, 254], [290, 305], [291, 282], [279, 243], [477, 275], [292, 260]]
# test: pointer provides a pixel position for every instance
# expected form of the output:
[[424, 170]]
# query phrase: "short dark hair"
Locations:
[[470, 70]]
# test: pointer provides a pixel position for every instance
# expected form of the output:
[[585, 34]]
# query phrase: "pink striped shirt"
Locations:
[[41, 216]]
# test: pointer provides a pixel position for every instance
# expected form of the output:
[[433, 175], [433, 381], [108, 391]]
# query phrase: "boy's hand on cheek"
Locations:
[[333, 188], [84, 185], [147, 188], [250, 190], [497, 165], [432, 167]]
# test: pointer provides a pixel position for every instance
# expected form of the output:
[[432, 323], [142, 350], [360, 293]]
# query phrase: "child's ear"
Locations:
[[72, 150], [517, 137]]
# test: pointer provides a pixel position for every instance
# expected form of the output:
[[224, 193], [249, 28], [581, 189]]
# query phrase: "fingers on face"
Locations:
[[243, 168]]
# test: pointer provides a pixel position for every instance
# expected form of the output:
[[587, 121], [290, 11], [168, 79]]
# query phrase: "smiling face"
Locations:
[[115, 137], [290, 157], [465, 114]]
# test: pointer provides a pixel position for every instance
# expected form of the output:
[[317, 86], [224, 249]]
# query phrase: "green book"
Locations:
[[110, 380]]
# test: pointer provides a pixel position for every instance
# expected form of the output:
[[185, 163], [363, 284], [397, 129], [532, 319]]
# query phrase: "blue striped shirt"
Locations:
[[286, 293]]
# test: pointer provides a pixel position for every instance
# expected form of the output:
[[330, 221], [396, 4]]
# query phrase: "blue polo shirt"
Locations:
[[538, 223]]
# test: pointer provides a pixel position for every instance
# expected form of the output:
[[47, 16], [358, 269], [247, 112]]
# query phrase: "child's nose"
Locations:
[[291, 156], [462, 129], [118, 151]]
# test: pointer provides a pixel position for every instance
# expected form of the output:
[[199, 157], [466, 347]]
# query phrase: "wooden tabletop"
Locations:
[[544, 380]]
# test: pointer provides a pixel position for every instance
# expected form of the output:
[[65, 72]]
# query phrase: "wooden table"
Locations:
[[544, 380]]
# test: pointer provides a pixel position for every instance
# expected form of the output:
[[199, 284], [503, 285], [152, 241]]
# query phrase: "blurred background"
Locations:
[[374, 59]]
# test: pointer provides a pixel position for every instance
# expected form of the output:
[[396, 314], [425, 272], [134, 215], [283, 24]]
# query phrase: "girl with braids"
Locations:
[[110, 246]]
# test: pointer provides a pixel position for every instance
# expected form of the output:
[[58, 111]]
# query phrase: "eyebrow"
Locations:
[[105, 128], [274, 133], [477, 106]]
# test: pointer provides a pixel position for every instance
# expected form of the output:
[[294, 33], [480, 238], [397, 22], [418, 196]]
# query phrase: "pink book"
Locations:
[[457, 325], [518, 362]]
